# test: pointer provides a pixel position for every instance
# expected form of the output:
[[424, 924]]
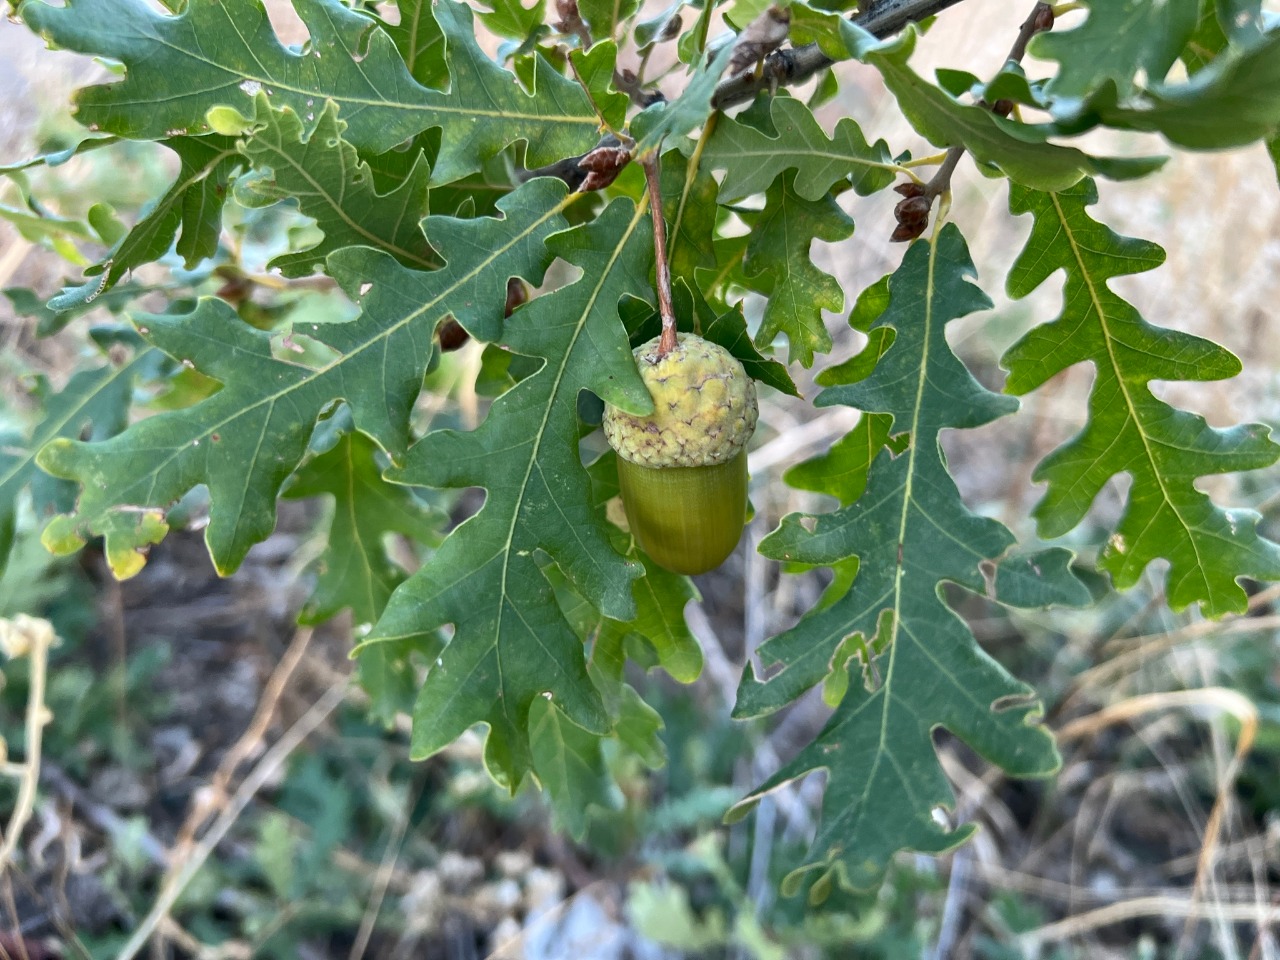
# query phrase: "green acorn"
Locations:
[[683, 468]]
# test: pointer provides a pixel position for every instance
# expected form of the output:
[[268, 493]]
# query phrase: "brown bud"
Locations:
[[236, 290], [910, 189], [670, 29], [759, 38], [517, 293], [1043, 18], [603, 164], [1002, 107], [913, 216], [571, 21], [452, 336]]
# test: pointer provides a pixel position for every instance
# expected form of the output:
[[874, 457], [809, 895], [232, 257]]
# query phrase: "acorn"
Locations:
[[683, 469]]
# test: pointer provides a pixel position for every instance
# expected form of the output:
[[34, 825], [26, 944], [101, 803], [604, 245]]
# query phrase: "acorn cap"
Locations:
[[704, 407]]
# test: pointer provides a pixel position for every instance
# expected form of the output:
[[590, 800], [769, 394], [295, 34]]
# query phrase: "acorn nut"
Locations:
[[683, 468]]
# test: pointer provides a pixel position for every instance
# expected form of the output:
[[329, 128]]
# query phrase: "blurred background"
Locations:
[[1159, 837]]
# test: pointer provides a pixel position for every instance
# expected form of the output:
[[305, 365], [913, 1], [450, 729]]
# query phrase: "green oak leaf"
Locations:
[[1207, 40], [883, 776], [686, 112], [660, 598], [191, 210], [841, 472], [657, 631], [648, 31], [594, 69], [604, 17], [27, 303], [1129, 429], [355, 571], [1222, 23], [50, 230], [322, 172], [245, 440], [752, 159], [571, 766], [512, 20], [742, 12], [1232, 101], [419, 40], [1118, 40], [689, 206], [778, 266], [1020, 151], [639, 728], [223, 54], [59, 156], [811, 24], [93, 405], [728, 329], [636, 726], [511, 644]]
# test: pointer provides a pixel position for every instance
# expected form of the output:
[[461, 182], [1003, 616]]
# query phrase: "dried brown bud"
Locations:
[[517, 293], [1043, 18], [236, 290], [761, 37], [1002, 107], [571, 21], [670, 29], [913, 216], [452, 336], [603, 164], [910, 189]]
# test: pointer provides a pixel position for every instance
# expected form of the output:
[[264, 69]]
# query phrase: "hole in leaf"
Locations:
[[286, 23], [1013, 701]]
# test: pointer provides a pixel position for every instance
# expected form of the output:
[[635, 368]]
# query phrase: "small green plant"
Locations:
[[430, 184]]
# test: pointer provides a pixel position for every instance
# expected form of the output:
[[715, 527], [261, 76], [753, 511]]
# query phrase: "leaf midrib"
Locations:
[[908, 482], [240, 77], [324, 194], [621, 245], [1107, 339], [381, 336]]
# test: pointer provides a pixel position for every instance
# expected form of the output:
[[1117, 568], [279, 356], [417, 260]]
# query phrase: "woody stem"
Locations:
[[665, 308]]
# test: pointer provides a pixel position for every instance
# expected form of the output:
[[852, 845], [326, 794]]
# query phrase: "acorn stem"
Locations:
[[665, 308]]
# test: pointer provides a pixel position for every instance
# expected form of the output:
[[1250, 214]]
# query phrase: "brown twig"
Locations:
[[266, 768], [881, 18], [216, 795], [913, 212], [624, 81], [665, 309]]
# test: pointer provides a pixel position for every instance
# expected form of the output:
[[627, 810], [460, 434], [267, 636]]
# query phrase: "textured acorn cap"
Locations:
[[704, 407]]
